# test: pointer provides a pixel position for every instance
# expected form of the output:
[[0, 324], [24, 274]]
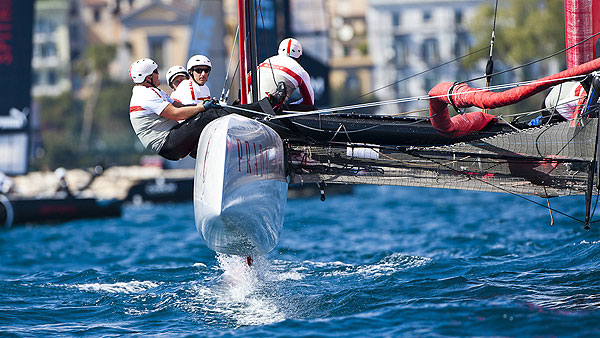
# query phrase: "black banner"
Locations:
[[16, 26]]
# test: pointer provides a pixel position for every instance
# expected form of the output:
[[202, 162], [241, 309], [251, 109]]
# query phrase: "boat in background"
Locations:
[[60, 206], [24, 210]]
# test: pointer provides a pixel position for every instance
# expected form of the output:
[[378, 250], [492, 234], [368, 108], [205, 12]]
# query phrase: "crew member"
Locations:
[[566, 98], [564, 102], [194, 90], [155, 116], [285, 67], [175, 75]]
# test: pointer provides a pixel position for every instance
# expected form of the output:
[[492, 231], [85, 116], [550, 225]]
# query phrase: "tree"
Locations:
[[97, 57], [60, 121], [525, 30]]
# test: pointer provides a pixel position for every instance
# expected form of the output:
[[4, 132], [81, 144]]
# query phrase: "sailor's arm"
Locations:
[[306, 89], [177, 111]]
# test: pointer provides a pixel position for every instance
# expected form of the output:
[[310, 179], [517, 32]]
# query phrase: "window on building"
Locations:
[[48, 49], [430, 50], [429, 81], [353, 83], [157, 49], [74, 32], [44, 26], [52, 77], [458, 17], [402, 86], [73, 9], [347, 50], [426, 16], [96, 14], [461, 44], [400, 50], [396, 19]]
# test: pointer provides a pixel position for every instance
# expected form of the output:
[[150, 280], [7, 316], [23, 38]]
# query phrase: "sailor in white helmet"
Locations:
[[155, 117], [564, 102], [194, 90], [284, 67], [175, 75]]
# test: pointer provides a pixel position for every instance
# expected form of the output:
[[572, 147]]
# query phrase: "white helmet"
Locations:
[[198, 60], [290, 47], [142, 68], [174, 71]]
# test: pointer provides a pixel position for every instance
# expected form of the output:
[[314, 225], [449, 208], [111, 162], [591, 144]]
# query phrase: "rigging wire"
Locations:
[[417, 74], [290, 114], [476, 78], [489, 67], [224, 95], [534, 61], [462, 172]]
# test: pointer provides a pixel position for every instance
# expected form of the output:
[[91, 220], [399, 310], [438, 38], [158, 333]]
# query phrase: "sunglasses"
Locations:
[[200, 70]]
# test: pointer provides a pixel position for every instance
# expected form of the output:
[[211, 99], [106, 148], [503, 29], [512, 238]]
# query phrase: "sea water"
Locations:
[[381, 262]]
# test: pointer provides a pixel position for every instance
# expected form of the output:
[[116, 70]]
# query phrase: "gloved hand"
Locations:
[[211, 103]]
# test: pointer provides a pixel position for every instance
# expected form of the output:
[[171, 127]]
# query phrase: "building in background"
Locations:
[[168, 31], [58, 40], [408, 37], [350, 59]]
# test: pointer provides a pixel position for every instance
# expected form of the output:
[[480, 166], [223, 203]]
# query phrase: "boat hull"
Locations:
[[22, 210], [240, 189]]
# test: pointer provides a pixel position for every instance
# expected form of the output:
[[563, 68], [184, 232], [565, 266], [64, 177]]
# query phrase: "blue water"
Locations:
[[382, 262]]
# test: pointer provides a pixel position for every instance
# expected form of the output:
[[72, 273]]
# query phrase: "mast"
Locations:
[[242, 48], [252, 51], [579, 25]]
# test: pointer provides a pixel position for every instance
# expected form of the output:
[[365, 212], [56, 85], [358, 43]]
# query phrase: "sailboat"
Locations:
[[244, 165]]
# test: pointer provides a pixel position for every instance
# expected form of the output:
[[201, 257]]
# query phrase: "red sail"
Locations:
[[464, 96]]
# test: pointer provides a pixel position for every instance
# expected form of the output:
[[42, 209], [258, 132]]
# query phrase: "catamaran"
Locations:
[[244, 165]]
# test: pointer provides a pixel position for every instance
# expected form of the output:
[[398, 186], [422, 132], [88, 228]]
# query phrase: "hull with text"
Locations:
[[240, 189]]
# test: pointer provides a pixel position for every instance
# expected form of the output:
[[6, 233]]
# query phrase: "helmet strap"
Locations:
[[151, 82]]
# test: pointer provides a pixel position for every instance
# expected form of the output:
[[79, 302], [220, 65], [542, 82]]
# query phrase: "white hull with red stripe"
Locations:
[[240, 188]]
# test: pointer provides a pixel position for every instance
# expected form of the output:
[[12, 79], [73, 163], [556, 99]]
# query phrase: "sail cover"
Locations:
[[463, 96]]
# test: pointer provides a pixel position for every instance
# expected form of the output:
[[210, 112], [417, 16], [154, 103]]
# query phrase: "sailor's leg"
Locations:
[[183, 139]]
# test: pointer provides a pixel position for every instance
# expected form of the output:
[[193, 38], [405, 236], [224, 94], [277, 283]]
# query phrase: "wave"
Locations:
[[120, 287]]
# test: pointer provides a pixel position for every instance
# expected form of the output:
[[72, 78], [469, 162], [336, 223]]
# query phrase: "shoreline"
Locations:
[[114, 182]]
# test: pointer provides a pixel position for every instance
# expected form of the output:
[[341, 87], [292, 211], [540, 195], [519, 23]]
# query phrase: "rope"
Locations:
[[489, 68], [246, 110], [417, 74], [224, 96], [462, 172], [291, 114], [535, 61]]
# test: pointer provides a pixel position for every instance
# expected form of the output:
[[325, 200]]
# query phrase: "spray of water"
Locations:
[[240, 295]]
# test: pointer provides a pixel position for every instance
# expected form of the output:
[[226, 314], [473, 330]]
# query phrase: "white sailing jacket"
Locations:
[[145, 107], [286, 69], [189, 92]]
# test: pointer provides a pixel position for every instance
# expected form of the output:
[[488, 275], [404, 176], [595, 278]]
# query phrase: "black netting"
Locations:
[[552, 160]]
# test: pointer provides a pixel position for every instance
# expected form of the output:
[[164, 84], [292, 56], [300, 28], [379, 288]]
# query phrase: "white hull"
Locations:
[[240, 188]]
